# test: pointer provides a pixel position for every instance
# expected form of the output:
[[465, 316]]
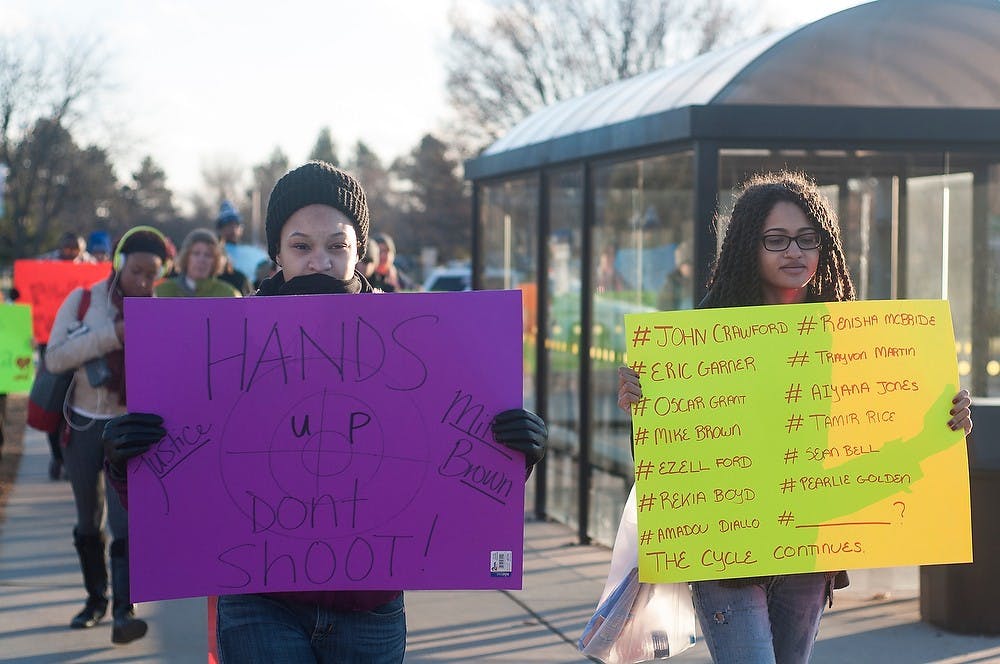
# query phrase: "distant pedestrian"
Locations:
[[608, 277], [11, 297], [387, 275], [71, 248], [95, 349], [99, 246], [367, 265], [265, 270], [244, 257]]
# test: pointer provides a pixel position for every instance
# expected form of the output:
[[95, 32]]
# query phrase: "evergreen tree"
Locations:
[[438, 202], [325, 149]]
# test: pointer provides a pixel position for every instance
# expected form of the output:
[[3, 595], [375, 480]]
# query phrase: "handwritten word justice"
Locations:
[[354, 352], [175, 447]]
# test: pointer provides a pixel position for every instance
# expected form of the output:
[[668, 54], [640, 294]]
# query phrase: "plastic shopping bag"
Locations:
[[637, 622]]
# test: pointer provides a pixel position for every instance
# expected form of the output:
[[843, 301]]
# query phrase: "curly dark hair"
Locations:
[[735, 275]]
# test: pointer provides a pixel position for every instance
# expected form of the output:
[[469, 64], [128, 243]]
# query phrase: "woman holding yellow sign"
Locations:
[[781, 246]]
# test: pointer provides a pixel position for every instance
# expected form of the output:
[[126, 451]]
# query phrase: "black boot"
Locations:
[[90, 548], [127, 627]]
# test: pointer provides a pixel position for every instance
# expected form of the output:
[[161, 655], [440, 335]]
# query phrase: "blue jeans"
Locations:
[[773, 622], [257, 628]]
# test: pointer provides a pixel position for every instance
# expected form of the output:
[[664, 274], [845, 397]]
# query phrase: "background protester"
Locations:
[[99, 246], [387, 275], [367, 265], [265, 270], [244, 257], [199, 262], [71, 248], [95, 348]]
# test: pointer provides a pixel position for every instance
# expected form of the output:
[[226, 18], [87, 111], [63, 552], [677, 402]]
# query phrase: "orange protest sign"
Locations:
[[44, 284]]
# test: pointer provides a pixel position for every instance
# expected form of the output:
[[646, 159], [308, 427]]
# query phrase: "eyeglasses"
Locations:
[[805, 241]]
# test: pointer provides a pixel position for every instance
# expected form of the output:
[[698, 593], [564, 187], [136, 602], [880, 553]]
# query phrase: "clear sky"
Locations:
[[202, 82]]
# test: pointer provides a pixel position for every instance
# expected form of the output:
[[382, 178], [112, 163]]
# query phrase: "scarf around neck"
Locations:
[[314, 284]]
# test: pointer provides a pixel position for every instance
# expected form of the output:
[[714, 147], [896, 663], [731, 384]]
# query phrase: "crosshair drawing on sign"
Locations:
[[311, 469]]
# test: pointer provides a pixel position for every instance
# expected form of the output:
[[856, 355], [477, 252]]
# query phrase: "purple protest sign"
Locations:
[[323, 442]]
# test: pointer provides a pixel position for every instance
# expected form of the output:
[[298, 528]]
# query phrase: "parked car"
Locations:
[[459, 278], [449, 279]]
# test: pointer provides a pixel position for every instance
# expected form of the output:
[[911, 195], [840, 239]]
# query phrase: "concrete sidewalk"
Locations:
[[874, 620]]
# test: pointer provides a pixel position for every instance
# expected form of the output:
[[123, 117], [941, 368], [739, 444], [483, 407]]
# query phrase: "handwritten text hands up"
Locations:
[[629, 391], [130, 435], [961, 416], [523, 431]]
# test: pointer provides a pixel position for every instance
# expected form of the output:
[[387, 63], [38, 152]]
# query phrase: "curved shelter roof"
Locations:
[[888, 54]]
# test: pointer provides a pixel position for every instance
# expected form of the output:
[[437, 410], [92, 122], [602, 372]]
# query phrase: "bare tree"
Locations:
[[45, 89], [223, 176], [265, 175], [532, 53]]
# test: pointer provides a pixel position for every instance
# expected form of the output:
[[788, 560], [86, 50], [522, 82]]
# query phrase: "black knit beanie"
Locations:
[[316, 182]]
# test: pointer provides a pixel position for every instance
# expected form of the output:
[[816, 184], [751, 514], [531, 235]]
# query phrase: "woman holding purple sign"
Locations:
[[317, 232], [782, 246]]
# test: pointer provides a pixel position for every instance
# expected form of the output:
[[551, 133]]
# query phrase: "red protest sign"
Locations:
[[44, 284]]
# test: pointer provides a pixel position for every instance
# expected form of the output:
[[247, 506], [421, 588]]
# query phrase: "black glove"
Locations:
[[130, 435], [521, 430]]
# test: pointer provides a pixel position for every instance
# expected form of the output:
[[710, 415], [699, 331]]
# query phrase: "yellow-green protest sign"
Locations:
[[16, 367], [799, 438]]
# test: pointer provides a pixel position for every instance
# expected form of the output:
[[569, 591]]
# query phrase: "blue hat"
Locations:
[[99, 241], [227, 214]]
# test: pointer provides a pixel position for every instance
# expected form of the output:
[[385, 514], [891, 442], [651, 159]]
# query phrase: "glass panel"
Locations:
[[509, 218], [939, 245], [867, 213], [986, 370], [923, 204], [565, 198], [642, 236]]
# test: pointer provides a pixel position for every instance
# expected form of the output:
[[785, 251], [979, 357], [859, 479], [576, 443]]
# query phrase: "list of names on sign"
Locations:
[[787, 439]]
